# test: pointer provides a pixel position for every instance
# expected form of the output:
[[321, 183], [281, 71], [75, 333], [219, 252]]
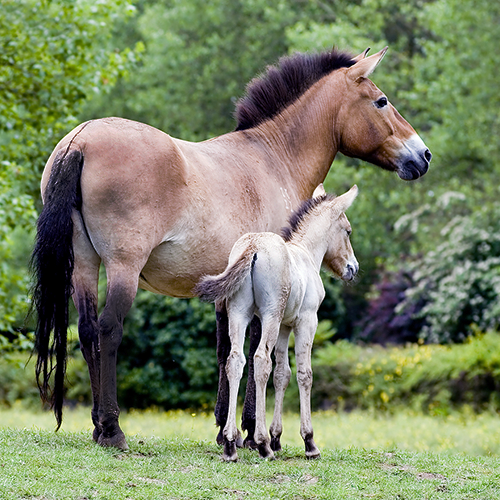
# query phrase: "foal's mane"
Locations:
[[297, 217], [281, 85]]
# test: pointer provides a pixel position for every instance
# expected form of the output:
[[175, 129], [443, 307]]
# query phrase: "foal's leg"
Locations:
[[304, 337], [239, 317], [263, 366], [248, 417], [281, 378], [122, 288]]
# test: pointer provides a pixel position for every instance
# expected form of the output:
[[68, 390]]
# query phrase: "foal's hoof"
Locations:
[[265, 451], [239, 440], [230, 454], [116, 441], [275, 443]]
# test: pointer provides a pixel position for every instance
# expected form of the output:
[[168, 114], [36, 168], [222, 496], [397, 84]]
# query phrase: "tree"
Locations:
[[53, 55]]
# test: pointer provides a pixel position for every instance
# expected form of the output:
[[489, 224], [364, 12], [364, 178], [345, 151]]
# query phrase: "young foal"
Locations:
[[278, 280]]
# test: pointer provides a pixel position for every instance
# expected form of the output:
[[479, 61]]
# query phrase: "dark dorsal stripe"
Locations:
[[281, 85], [299, 215]]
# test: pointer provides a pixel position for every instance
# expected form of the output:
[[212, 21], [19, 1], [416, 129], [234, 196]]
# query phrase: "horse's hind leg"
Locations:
[[85, 281], [121, 291]]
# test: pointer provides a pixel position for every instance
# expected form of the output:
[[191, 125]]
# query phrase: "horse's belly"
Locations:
[[174, 269]]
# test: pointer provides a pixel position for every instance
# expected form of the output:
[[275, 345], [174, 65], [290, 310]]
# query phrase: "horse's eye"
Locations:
[[349, 232], [380, 103]]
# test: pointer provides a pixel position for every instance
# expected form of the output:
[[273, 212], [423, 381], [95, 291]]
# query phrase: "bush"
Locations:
[[430, 378], [168, 354], [459, 281]]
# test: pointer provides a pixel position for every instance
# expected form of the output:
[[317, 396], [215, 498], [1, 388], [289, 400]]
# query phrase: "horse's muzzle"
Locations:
[[415, 159]]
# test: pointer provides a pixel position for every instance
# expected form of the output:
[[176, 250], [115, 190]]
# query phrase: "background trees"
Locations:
[[428, 249]]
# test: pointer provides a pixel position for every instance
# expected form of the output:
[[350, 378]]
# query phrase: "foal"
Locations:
[[277, 278]]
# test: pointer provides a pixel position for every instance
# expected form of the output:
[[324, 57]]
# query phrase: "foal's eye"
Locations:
[[349, 232], [382, 102]]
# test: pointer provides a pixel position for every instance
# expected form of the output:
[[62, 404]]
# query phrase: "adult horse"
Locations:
[[160, 212]]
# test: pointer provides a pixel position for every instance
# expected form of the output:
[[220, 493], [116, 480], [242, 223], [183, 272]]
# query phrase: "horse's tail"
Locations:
[[52, 265], [225, 285]]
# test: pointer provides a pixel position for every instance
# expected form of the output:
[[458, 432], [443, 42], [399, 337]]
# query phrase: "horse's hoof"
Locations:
[[250, 443], [116, 441], [312, 451], [313, 455], [265, 451], [220, 438], [96, 434], [230, 454], [275, 443]]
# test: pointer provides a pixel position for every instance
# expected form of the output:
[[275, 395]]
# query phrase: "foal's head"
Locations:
[[339, 258], [372, 128], [321, 225]]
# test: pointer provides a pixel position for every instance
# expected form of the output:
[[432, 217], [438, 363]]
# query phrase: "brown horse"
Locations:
[[160, 212]]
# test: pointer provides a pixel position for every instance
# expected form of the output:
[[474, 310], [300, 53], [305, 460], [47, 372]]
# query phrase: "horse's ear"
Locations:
[[365, 67], [361, 56], [319, 191], [344, 201]]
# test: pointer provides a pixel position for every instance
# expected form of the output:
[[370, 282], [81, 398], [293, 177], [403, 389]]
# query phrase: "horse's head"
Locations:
[[372, 128], [340, 258]]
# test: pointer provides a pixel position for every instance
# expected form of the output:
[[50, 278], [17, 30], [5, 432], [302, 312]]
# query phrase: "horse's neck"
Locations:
[[303, 137]]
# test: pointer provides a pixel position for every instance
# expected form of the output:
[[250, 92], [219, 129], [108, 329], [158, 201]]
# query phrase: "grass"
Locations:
[[464, 432], [172, 456]]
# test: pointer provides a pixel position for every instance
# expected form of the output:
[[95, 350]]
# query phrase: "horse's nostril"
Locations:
[[428, 155]]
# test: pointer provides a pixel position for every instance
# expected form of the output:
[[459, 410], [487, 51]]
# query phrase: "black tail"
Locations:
[[52, 265]]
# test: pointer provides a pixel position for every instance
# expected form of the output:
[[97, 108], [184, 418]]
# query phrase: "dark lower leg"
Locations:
[[88, 331], [248, 417], [223, 348], [119, 300]]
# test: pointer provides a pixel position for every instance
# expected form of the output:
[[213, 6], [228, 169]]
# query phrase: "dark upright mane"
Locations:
[[298, 216], [281, 85]]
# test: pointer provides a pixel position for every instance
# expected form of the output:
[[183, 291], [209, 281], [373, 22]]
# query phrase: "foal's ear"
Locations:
[[365, 67], [319, 191], [344, 201], [361, 56]]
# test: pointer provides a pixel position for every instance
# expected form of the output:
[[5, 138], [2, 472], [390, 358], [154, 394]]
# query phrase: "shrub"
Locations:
[[429, 378]]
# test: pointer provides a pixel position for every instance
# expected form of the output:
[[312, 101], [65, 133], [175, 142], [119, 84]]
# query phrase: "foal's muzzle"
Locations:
[[350, 271]]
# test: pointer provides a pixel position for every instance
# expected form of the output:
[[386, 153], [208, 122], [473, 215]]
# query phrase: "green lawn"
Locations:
[[173, 456], [458, 433]]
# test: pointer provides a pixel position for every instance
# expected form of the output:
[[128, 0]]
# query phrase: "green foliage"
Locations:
[[199, 57], [459, 280], [434, 379], [167, 357], [53, 55]]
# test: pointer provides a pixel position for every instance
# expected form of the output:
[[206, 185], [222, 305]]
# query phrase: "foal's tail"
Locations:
[[225, 285], [52, 265]]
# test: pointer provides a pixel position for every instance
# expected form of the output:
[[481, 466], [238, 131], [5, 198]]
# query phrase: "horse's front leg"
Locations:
[[248, 415], [281, 379], [121, 293], [304, 337]]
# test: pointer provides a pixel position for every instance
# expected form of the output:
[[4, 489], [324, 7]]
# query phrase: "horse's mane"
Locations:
[[281, 85], [300, 214]]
